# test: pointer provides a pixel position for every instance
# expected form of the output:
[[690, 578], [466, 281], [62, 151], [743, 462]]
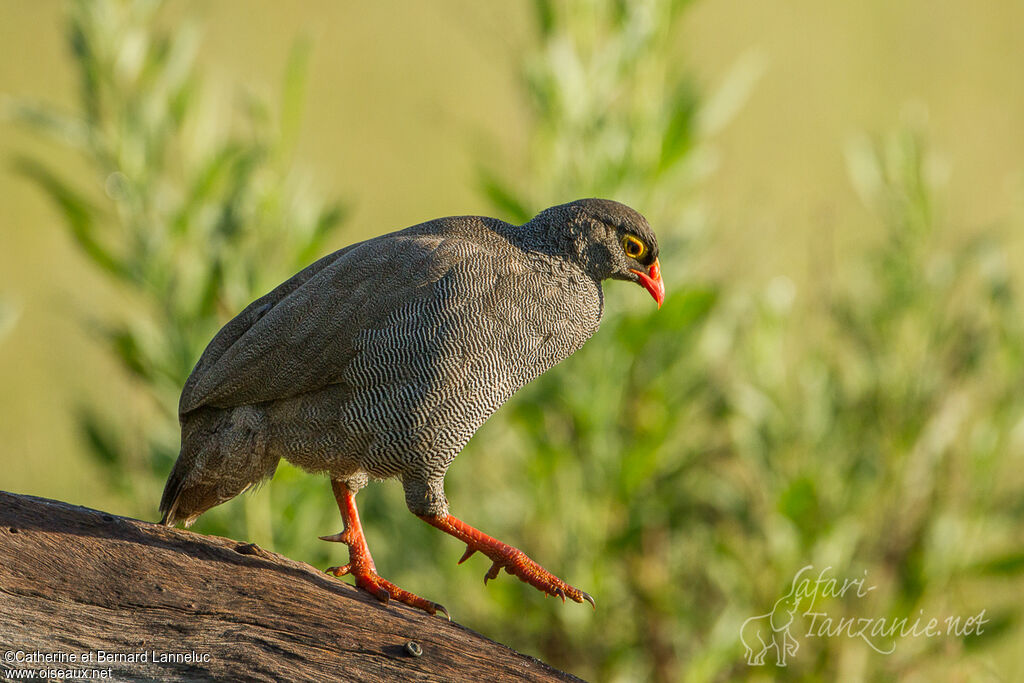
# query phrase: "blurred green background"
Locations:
[[834, 379]]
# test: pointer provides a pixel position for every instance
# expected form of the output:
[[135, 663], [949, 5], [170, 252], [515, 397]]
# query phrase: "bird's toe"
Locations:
[[493, 572], [339, 571]]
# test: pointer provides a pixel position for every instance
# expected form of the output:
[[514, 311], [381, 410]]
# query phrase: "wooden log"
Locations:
[[166, 604]]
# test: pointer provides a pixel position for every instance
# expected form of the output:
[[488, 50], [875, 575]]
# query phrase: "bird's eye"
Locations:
[[633, 247]]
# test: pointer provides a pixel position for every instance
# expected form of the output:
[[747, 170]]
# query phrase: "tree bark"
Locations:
[[164, 604]]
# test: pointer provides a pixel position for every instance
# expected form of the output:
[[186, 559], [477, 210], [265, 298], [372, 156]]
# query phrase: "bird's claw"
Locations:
[[516, 563], [384, 590], [339, 571], [502, 555], [493, 572], [360, 564]]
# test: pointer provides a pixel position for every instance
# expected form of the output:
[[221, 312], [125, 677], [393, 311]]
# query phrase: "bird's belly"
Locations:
[[383, 430], [306, 431]]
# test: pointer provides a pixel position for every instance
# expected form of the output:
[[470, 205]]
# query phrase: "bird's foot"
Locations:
[[360, 563], [517, 563], [509, 558], [382, 589]]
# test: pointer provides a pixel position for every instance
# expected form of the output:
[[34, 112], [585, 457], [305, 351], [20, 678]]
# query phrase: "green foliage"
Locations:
[[878, 424], [190, 221], [612, 111], [687, 463]]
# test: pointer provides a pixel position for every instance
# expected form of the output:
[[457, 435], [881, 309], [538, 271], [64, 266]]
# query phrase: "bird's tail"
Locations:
[[184, 497], [223, 453], [172, 492]]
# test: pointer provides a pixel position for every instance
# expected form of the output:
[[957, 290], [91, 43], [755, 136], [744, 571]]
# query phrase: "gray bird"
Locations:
[[382, 359]]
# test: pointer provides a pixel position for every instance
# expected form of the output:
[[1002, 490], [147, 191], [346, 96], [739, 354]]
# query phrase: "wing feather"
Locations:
[[304, 339]]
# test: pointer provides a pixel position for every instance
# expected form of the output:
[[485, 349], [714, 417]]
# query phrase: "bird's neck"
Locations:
[[557, 244]]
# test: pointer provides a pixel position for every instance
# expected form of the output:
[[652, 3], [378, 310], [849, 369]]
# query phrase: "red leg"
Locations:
[[513, 560], [360, 564]]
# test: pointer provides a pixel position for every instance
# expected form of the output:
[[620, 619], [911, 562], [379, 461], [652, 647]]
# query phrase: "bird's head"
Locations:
[[609, 239]]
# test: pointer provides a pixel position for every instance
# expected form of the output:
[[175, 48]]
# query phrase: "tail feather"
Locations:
[[222, 454], [183, 502], [172, 492]]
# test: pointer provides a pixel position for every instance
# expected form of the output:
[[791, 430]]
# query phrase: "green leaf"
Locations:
[[1004, 565], [683, 308], [997, 624], [126, 347], [326, 223], [205, 182], [544, 15], [101, 439], [47, 121], [212, 288], [678, 139], [800, 503], [79, 214]]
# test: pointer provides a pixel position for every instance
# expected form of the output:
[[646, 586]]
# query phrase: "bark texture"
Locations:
[[77, 582]]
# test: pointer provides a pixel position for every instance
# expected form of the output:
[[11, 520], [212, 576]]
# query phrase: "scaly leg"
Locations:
[[360, 564], [513, 560]]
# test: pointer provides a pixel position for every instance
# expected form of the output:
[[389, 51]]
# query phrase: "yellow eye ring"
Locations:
[[633, 247]]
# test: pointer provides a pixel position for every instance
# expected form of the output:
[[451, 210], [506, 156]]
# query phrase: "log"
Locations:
[[130, 600]]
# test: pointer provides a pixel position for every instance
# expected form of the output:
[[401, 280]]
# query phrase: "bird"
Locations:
[[382, 359]]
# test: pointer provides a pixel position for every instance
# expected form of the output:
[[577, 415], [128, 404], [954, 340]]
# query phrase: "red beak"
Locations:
[[652, 282]]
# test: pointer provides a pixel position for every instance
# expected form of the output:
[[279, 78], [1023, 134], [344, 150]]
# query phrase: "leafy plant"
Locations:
[[603, 469], [878, 424], [687, 463], [189, 220]]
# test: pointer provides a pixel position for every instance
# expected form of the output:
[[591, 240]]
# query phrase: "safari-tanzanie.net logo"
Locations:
[[775, 635]]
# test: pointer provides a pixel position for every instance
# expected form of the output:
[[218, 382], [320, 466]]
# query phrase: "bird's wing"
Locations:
[[300, 337], [242, 323]]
